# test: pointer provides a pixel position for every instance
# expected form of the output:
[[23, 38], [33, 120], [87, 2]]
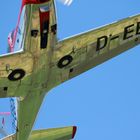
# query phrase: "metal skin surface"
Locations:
[[45, 68]]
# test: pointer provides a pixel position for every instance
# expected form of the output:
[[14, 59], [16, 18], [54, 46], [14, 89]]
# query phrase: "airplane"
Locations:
[[38, 62]]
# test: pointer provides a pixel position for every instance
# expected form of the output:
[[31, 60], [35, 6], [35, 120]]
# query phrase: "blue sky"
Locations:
[[103, 102]]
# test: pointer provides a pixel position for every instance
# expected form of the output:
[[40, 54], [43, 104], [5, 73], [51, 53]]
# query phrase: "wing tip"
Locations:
[[74, 131]]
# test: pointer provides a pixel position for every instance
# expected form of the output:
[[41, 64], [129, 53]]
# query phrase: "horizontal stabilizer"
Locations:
[[65, 133]]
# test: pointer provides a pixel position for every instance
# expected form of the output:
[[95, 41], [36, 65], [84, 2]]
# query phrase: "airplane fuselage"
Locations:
[[30, 66], [25, 72]]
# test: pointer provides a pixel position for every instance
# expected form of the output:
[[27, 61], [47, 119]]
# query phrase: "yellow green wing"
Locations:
[[65, 133], [77, 54]]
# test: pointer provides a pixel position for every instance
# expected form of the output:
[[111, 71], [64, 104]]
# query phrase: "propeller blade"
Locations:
[[66, 2]]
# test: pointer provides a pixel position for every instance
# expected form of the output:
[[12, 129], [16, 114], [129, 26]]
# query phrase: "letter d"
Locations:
[[101, 42]]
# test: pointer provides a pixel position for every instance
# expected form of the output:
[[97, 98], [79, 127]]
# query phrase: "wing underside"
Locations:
[[78, 54]]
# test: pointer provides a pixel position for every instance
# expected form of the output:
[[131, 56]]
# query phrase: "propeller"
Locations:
[[66, 2]]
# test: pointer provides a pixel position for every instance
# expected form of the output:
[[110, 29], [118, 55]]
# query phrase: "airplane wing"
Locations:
[[78, 54], [65, 133]]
